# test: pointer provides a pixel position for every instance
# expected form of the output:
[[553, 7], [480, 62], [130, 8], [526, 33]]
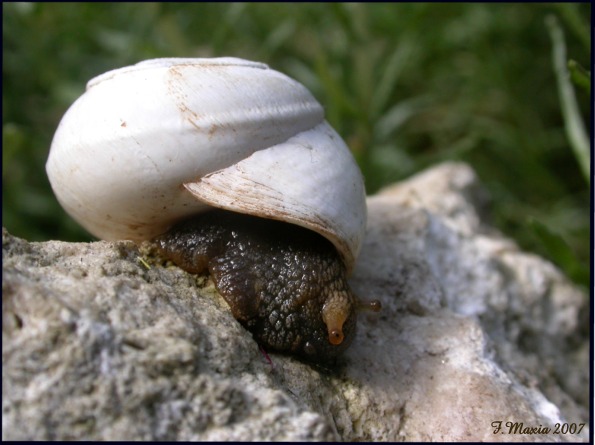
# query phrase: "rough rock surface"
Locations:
[[473, 331]]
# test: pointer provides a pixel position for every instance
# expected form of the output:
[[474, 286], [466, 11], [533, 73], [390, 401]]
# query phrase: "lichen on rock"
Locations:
[[473, 331]]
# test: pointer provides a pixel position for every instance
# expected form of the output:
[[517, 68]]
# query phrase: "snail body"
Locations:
[[167, 140], [287, 285]]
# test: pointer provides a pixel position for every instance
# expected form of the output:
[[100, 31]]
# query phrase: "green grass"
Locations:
[[406, 85]]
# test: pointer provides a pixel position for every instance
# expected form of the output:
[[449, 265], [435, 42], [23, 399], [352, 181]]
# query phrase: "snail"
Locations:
[[230, 168]]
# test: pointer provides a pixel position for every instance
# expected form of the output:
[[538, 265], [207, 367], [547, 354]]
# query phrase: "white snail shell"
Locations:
[[153, 143]]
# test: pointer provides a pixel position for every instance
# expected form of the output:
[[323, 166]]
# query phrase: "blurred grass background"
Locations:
[[406, 85]]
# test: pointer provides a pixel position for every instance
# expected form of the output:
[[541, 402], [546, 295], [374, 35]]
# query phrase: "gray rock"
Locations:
[[473, 332]]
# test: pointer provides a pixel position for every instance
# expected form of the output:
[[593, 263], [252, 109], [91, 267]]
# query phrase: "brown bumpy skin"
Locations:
[[286, 284]]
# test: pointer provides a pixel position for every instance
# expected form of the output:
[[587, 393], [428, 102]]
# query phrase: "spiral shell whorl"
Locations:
[[128, 153]]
